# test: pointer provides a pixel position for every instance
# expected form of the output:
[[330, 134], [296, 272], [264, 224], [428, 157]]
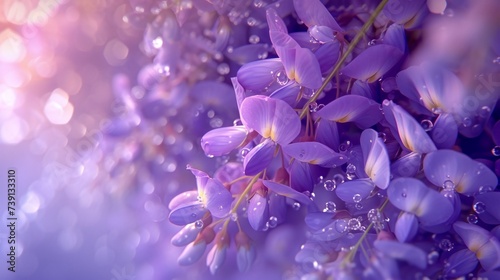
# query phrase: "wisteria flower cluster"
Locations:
[[347, 124]]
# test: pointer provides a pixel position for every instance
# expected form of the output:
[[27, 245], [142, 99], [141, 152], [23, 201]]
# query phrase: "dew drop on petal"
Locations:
[[354, 224], [296, 206], [466, 122], [330, 207], [329, 185], [244, 152], [282, 78], [341, 226], [427, 124], [382, 136], [356, 198], [432, 257], [448, 185], [484, 112], [234, 217], [446, 245], [273, 222], [358, 206], [343, 147], [472, 219], [495, 151], [479, 207], [485, 189], [389, 84], [198, 224], [338, 179], [254, 39], [319, 180]]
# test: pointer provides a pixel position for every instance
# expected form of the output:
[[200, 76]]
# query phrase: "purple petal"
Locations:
[[287, 93], [271, 118], [192, 253], [461, 263], [313, 12], [277, 206], [259, 157], [406, 227], [481, 242], [281, 42], [258, 212], [307, 69], [304, 40], [314, 153], [395, 36], [327, 55], [318, 220], [466, 174], [332, 231], [218, 198], [349, 190], [187, 213], [376, 159], [248, 53], [411, 195], [401, 251], [183, 198], [328, 134], [434, 86], [363, 111], [373, 63], [222, 141], [362, 89], [300, 176], [239, 91], [411, 133], [201, 178], [404, 11], [186, 235], [258, 75], [275, 22], [322, 34], [406, 166], [488, 206], [287, 192], [445, 131]]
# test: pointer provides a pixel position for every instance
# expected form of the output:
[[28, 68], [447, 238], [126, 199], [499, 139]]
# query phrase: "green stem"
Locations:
[[341, 61], [245, 192]]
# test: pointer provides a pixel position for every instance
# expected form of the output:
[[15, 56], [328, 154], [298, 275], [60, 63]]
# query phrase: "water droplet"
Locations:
[[244, 152], [403, 194], [223, 69], [382, 136], [330, 207], [479, 207], [472, 219], [251, 21], [466, 122], [375, 216], [356, 198], [296, 206], [437, 110], [389, 84], [484, 112], [157, 42], [254, 39], [351, 168], [448, 185], [341, 226], [372, 42], [329, 185], [282, 78], [338, 179], [495, 151], [427, 124], [273, 222], [358, 206], [234, 217], [319, 180], [237, 122], [485, 189], [432, 257], [313, 107], [354, 224], [198, 224], [343, 147], [446, 245], [306, 92], [259, 3]]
